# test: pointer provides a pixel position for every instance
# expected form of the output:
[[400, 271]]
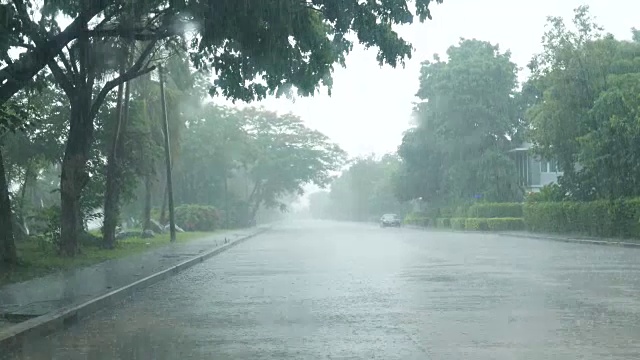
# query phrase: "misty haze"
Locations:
[[321, 179]]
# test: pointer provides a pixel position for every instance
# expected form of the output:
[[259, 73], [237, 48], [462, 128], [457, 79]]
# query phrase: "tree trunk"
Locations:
[[163, 210], [8, 254], [114, 171], [148, 188], [226, 200], [73, 177]]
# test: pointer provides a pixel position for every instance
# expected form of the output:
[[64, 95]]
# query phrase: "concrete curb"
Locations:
[[17, 336], [536, 237], [575, 240]]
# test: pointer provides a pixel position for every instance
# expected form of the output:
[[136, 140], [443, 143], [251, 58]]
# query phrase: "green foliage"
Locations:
[[506, 224], [476, 224], [250, 156], [197, 217], [458, 151], [458, 223], [417, 219], [618, 218], [495, 210], [443, 223], [49, 221], [295, 44], [362, 192], [548, 193], [254, 48], [586, 113], [39, 257]]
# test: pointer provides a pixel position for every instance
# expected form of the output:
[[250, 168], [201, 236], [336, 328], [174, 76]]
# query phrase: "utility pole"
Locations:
[[167, 155]]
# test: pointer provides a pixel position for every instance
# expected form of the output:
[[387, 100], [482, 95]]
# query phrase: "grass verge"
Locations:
[[38, 258]]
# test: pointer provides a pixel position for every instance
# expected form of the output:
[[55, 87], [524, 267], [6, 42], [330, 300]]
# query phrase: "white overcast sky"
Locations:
[[370, 107]]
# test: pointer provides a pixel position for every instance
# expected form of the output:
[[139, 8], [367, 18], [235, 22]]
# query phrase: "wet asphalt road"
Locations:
[[315, 290]]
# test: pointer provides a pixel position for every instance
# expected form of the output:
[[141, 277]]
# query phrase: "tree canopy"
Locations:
[[586, 114], [254, 47], [467, 116]]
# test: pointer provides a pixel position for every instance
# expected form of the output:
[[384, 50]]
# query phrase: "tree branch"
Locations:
[[15, 76], [132, 73], [22, 45], [72, 59], [67, 65], [136, 33], [61, 78]]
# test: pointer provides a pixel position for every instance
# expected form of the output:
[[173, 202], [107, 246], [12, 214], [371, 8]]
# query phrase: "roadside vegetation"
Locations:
[[100, 99], [455, 169], [40, 257]]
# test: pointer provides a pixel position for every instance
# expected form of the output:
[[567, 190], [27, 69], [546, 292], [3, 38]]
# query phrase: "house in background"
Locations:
[[533, 171]]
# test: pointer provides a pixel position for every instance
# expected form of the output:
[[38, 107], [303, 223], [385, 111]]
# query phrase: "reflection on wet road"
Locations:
[[316, 290]]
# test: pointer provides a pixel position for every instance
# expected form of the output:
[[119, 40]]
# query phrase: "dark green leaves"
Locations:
[[466, 118], [587, 113], [259, 48]]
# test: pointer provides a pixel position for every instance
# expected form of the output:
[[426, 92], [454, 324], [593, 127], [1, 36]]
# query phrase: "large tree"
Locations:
[[466, 118], [586, 114], [243, 160], [284, 156]]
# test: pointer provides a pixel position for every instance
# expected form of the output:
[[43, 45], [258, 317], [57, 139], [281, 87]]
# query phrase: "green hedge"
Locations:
[[458, 223], [495, 210], [443, 223], [476, 224], [504, 224], [197, 217], [619, 218], [417, 219]]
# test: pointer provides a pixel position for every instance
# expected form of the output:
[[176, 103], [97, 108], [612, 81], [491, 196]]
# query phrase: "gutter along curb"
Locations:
[[573, 240]]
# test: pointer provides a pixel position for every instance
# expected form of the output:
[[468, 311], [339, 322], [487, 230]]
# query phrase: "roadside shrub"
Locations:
[[457, 223], [447, 212], [46, 226], [548, 193], [504, 224], [461, 212], [443, 223], [417, 219], [197, 217], [495, 210], [476, 224], [603, 218]]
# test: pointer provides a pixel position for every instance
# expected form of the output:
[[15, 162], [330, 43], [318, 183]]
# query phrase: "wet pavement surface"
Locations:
[[314, 290], [42, 295]]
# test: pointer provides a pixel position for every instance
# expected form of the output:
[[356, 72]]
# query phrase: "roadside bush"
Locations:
[[447, 212], [495, 210], [458, 223], [602, 218], [461, 212], [477, 224], [504, 224], [548, 193], [197, 217], [443, 223], [417, 219]]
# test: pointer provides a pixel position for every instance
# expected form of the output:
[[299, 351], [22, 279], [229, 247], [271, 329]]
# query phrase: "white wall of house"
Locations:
[[549, 172], [533, 171]]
